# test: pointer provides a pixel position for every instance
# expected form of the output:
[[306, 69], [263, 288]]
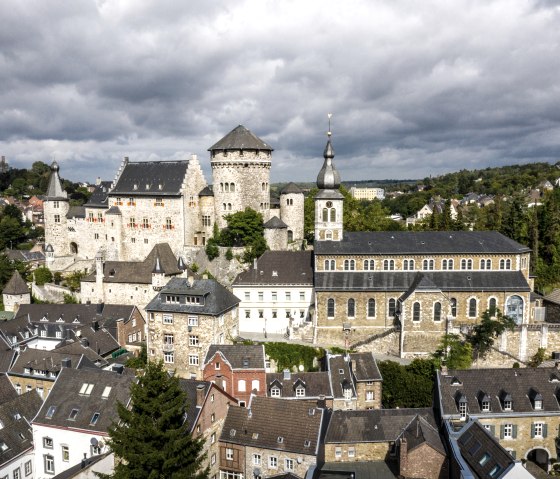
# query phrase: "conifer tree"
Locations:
[[151, 439]]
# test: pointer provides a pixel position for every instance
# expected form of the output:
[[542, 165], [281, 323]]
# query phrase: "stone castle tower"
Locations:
[[55, 209], [328, 201], [240, 164], [291, 211]]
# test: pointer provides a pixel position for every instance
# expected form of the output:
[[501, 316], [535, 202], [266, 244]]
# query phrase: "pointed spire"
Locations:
[[328, 178], [54, 189], [181, 264], [157, 268]]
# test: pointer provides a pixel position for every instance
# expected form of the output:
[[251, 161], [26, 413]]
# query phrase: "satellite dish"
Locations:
[[94, 442], [301, 368]]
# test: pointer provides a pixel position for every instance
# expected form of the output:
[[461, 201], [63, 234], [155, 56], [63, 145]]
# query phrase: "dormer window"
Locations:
[[485, 406], [300, 392], [280, 440], [538, 404], [245, 362], [462, 405], [484, 400], [275, 392], [508, 406], [536, 399]]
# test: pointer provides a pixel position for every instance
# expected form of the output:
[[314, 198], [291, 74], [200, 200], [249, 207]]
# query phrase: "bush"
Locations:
[[407, 386], [229, 254], [42, 275], [288, 355], [195, 268], [212, 250], [69, 299]]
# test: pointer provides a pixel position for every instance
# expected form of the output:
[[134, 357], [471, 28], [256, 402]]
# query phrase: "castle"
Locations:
[[170, 201]]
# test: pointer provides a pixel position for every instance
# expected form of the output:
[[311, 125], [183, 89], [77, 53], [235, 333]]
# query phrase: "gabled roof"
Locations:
[[340, 375], [69, 394], [48, 362], [15, 417], [419, 432], [275, 424], [279, 268], [98, 198], [217, 299], [372, 425], [190, 387], [7, 390], [316, 384], [240, 138], [401, 281], [365, 367], [239, 356], [151, 178], [16, 285], [497, 384], [421, 242]]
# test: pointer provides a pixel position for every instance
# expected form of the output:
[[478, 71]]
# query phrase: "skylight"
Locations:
[[94, 418], [86, 389], [50, 412], [106, 392]]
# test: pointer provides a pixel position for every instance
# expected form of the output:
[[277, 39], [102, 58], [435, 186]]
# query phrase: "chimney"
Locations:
[[117, 368], [95, 325], [85, 342], [287, 375], [200, 394], [66, 363], [255, 263], [321, 402], [99, 309], [403, 457], [190, 281]]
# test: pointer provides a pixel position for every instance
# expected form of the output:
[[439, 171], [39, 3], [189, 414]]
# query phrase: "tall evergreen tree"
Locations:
[[151, 437]]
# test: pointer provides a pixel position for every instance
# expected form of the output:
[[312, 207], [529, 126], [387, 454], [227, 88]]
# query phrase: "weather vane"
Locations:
[[329, 133]]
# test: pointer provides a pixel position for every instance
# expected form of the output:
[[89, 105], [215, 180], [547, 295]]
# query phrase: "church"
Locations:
[[170, 201]]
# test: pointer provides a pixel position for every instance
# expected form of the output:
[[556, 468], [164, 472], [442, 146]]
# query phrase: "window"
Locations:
[[167, 318], [193, 321], [408, 264], [514, 308], [274, 295], [27, 468], [65, 453], [300, 392], [288, 296], [349, 265], [337, 452], [261, 296], [261, 313], [370, 396], [106, 392], [507, 431], [242, 385], [484, 459], [495, 471], [255, 385], [229, 454], [492, 306], [416, 311], [392, 307], [463, 409], [50, 412], [193, 359], [453, 307], [73, 414], [389, 264], [351, 452], [94, 418], [275, 392], [48, 461], [538, 404], [56, 204], [351, 308], [213, 438], [256, 459], [168, 357], [428, 264], [212, 459], [371, 308], [132, 222], [247, 314], [369, 265], [289, 464], [194, 341], [472, 308], [302, 295], [273, 462], [485, 406], [330, 308], [47, 442], [437, 312], [538, 429], [57, 218], [508, 405], [86, 389]]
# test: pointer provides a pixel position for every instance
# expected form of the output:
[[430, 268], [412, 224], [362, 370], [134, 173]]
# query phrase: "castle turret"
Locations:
[[158, 275], [291, 211], [328, 201], [15, 293], [241, 173], [55, 209]]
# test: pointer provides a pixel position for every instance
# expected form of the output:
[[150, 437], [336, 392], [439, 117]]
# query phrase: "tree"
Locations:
[[538, 358], [492, 324], [43, 275], [455, 353], [151, 437], [244, 228], [407, 386]]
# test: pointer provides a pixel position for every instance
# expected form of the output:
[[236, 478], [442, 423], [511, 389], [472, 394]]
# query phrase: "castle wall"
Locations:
[[56, 229]]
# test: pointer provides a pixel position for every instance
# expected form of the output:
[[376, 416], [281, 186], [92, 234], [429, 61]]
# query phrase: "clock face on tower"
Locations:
[[329, 204]]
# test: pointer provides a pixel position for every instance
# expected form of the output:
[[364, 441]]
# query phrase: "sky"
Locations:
[[415, 88]]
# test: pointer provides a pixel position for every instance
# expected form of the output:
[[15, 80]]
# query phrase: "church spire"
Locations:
[[328, 178]]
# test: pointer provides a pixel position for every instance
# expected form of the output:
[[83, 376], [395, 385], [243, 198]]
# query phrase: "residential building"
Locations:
[[238, 369], [276, 293], [303, 386], [270, 437], [367, 194], [185, 318], [73, 422]]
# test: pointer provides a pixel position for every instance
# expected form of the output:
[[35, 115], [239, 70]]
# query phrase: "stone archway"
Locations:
[[73, 248], [540, 457]]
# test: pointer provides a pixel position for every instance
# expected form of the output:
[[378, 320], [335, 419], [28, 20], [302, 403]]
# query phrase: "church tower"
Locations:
[[241, 174], [328, 201], [55, 208]]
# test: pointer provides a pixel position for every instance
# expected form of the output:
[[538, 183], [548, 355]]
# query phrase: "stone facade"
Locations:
[[286, 462], [360, 451], [368, 394], [134, 214], [422, 462]]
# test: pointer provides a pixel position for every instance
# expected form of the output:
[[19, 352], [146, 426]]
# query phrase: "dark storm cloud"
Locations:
[[416, 88]]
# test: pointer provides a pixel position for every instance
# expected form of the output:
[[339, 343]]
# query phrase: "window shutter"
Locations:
[[514, 432], [493, 430], [502, 427], [544, 430], [532, 430]]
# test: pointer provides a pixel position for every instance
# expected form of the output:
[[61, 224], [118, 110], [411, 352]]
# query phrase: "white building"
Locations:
[[368, 194], [276, 293]]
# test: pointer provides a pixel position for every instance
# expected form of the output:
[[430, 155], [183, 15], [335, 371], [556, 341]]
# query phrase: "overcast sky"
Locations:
[[416, 88]]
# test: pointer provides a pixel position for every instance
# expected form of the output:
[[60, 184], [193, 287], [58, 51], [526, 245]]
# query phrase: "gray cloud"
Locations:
[[416, 88]]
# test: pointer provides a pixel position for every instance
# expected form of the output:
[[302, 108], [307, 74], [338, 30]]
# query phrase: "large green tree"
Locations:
[[491, 325], [151, 437]]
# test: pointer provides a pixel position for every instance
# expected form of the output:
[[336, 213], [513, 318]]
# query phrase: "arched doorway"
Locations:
[[514, 308], [540, 457], [73, 248]]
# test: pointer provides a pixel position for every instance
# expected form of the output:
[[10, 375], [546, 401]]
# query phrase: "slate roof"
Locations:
[[54, 189], [15, 417], [372, 425], [217, 299], [48, 362], [16, 285], [239, 356], [7, 390], [401, 281], [275, 223], [76, 212], [240, 138], [65, 396], [279, 268], [554, 296], [206, 191], [419, 432], [25, 256], [7, 356], [83, 467], [496, 383], [98, 198], [356, 469], [113, 210], [275, 424], [421, 242], [291, 189], [190, 387], [139, 271], [148, 176], [365, 367], [474, 442], [316, 384], [340, 374], [78, 348]]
